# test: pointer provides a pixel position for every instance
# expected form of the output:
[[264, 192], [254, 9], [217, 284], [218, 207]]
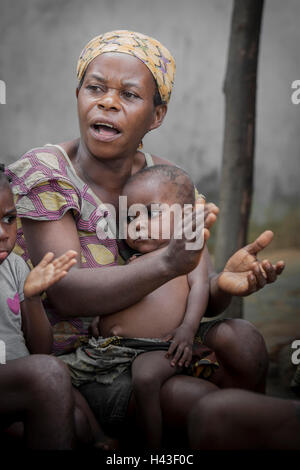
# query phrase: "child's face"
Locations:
[[8, 222], [149, 192]]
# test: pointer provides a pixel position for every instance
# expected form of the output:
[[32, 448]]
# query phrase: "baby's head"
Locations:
[[157, 187], [8, 217]]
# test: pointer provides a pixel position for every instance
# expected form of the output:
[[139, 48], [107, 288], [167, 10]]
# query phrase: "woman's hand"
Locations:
[[211, 211], [47, 272], [244, 274], [181, 346], [182, 255]]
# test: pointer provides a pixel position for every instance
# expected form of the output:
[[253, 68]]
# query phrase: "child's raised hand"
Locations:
[[47, 272], [181, 346]]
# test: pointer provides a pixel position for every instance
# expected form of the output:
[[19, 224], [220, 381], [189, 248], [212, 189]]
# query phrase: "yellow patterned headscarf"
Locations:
[[150, 51]]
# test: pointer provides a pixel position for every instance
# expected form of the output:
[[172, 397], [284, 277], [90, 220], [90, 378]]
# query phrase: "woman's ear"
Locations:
[[159, 115], [77, 91]]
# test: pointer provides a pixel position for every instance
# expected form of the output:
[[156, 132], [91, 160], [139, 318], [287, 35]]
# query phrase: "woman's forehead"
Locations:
[[120, 67]]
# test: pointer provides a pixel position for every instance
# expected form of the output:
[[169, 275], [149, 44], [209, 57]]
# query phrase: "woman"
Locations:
[[124, 84]]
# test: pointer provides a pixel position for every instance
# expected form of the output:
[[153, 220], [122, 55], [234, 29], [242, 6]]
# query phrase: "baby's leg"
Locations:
[[149, 371], [88, 430], [37, 390]]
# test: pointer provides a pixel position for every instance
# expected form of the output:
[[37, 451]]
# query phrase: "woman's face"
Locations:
[[115, 105], [8, 223]]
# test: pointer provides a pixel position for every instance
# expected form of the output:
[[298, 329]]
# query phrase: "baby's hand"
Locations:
[[47, 272], [181, 346], [132, 258]]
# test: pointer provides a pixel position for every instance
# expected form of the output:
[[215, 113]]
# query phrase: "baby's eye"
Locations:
[[9, 219], [154, 213]]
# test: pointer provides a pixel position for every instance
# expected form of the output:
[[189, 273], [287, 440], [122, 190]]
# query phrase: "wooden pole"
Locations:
[[239, 135]]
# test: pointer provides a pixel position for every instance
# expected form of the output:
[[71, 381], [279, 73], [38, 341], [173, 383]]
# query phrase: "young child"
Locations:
[[176, 319], [24, 326]]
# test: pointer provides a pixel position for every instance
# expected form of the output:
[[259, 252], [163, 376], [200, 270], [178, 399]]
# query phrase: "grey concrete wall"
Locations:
[[40, 41]]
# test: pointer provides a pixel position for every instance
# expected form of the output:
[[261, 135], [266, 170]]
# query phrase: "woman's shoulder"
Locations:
[[161, 161], [40, 165], [44, 159]]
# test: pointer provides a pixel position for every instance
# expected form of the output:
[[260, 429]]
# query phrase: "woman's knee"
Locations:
[[242, 352], [211, 419], [178, 396], [239, 338]]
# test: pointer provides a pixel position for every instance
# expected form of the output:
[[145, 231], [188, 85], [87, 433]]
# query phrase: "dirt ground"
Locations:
[[275, 311]]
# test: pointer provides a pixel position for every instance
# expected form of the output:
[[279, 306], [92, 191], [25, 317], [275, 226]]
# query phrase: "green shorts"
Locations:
[[109, 402]]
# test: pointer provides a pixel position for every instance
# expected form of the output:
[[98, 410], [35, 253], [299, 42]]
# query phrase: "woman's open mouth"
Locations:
[[104, 132]]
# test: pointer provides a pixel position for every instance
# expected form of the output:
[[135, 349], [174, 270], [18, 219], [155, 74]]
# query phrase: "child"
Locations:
[[24, 326], [185, 299]]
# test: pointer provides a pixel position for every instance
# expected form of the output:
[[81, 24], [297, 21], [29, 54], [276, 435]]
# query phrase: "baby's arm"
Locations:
[[35, 324], [183, 337]]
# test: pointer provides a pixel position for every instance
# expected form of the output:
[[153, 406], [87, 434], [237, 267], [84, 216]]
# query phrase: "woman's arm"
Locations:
[[218, 299], [94, 291]]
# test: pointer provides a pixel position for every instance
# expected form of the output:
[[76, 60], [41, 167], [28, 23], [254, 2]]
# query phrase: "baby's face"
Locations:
[[8, 222], [151, 227]]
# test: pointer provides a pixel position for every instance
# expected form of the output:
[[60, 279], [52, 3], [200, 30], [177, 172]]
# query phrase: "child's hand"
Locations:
[[181, 346], [132, 258], [47, 272]]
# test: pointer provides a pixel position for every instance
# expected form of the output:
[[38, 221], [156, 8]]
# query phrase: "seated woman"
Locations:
[[124, 85]]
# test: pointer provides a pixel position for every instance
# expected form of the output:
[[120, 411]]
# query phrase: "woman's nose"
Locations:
[[109, 101]]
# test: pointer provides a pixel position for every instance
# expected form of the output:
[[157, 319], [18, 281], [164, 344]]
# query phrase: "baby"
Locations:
[[156, 335], [172, 312]]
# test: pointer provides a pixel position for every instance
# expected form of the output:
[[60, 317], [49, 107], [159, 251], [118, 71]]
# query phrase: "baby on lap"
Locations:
[[156, 335]]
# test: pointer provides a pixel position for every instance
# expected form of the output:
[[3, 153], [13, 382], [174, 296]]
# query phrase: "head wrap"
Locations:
[[150, 51]]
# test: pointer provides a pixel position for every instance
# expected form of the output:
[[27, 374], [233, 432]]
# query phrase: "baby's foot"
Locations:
[[107, 444]]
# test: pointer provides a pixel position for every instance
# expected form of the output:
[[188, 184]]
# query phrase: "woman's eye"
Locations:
[[9, 219], [94, 88], [129, 94]]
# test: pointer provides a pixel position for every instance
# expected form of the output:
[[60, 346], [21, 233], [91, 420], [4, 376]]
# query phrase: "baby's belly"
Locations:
[[154, 316]]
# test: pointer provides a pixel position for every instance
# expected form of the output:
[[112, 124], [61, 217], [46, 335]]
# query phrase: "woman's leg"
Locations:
[[242, 354], [238, 419], [149, 371], [37, 390]]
